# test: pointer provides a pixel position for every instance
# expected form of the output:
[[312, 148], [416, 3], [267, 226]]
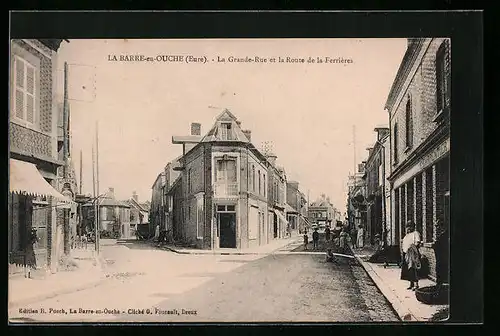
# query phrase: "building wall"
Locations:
[[38, 139], [193, 174], [412, 196]]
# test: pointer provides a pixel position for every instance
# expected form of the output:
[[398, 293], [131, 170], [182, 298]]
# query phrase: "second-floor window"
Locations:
[[190, 181], [259, 183], [409, 123], [253, 177], [226, 171], [24, 100], [395, 150], [264, 180], [442, 80]]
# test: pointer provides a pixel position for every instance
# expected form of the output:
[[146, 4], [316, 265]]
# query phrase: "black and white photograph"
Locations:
[[229, 180]]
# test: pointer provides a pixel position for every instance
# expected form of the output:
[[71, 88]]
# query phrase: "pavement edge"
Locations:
[[404, 313]]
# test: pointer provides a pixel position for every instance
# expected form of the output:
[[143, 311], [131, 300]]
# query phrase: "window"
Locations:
[[395, 144], [259, 183], [253, 223], [253, 177], [226, 131], [24, 100], [199, 218], [226, 171], [231, 208], [442, 80], [264, 179], [409, 123], [189, 181]]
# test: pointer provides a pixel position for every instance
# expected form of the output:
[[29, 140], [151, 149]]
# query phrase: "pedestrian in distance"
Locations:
[[315, 238], [360, 242], [411, 261], [327, 233], [354, 235], [306, 240]]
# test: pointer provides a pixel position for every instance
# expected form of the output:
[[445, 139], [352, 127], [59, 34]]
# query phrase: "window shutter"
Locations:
[[30, 109], [19, 73], [30, 79], [19, 103]]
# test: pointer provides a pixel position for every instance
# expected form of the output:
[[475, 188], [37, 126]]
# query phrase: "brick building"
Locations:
[[419, 110], [34, 236], [378, 188], [296, 207], [224, 187], [276, 198]]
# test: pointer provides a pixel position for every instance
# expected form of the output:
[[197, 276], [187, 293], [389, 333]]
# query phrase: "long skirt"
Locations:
[[360, 242], [408, 274]]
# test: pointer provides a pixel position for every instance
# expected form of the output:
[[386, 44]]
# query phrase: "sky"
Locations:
[[310, 112]]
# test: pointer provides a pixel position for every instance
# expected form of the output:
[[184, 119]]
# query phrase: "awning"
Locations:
[[24, 178], [281, 216], [290, 210]]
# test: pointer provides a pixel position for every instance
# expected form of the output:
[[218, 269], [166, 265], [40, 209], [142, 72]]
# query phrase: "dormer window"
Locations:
[[226, 131]]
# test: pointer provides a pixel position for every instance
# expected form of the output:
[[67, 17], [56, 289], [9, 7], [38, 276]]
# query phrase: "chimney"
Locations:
[[135, 197], [248, 134], [272, 159], [195, 128], [370, 150], [111, 192]]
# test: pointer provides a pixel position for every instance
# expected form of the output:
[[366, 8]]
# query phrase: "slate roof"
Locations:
[[215, 133]]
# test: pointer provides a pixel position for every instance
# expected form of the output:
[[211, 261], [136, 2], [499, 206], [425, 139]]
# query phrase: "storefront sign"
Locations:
[[435, 155]]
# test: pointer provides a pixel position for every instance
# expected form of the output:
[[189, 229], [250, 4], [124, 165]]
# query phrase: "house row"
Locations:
[[223, 192], [322, 213], [117, 218], [406, 176]]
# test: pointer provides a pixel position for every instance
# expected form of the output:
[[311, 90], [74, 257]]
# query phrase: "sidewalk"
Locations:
[[273, 246], [394, 289], [88, 274]]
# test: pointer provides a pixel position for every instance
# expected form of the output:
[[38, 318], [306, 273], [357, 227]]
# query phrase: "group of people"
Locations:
[[338, 238]]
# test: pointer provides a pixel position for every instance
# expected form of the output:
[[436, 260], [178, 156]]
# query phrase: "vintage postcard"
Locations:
[[229, 180]]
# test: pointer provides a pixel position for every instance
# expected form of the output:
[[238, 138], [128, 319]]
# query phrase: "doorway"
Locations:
[[275, 226], [227, 225]]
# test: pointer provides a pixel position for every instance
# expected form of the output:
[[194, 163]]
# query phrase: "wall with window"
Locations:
[[31, 129], [421, 105]]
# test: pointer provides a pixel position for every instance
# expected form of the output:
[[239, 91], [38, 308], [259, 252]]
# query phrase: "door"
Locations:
[[227, 225], [275, 226]]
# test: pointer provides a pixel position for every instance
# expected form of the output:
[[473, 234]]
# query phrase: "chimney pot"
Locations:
[[195, 129], [248, 134]]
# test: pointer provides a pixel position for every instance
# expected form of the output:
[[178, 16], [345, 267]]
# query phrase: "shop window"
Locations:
[[429, 208]]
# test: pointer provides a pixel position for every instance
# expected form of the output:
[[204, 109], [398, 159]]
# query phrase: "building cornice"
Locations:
[[432, 141], [409, 59]]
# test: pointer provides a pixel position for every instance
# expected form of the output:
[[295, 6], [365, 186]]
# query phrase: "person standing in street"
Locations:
[[360, 242], [354, 235], [327, 234], [315, 238], [343, 241], [306, 240], [411, 256]]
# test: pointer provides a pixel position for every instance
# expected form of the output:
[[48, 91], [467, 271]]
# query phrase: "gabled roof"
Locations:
[[136, 204], [215, 132]]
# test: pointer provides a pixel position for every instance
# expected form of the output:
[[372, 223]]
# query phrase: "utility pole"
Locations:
[[96, 221], [97, 238], [66, 224], [81, 172]]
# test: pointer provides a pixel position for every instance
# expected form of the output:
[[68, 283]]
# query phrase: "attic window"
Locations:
[[226, 131]]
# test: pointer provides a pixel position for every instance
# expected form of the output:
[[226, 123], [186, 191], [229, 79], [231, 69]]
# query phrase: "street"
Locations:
[[146, 284]]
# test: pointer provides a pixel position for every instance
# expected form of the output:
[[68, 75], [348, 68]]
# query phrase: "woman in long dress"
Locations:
[[360, 239], [411, 256]]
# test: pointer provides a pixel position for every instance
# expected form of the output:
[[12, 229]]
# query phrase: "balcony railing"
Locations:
[[226, 189]]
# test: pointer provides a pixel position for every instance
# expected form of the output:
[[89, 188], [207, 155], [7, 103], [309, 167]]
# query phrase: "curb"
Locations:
[[46, 296], [404, 313], [226, 253]]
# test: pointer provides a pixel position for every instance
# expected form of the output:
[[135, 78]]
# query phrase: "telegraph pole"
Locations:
[[97, 238], [81, 172]]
